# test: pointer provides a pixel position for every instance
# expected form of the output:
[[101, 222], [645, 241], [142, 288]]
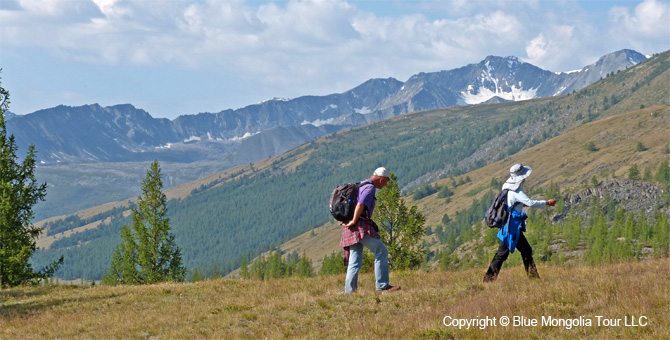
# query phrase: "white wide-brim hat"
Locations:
[[517, 173]]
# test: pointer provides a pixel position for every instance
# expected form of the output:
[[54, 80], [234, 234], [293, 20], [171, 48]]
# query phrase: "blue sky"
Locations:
[[186, 56]]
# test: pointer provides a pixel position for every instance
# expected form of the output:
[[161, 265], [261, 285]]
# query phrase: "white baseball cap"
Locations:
[[381, 172]]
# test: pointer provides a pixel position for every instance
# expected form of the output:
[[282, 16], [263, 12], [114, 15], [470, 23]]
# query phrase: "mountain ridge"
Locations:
[[92, 133]]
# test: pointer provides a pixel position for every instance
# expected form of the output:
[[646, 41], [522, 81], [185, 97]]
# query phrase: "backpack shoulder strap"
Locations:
[[513, 205]]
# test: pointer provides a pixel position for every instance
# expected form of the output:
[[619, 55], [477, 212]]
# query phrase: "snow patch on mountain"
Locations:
[[319, 122], [191, 139], [364, 110], [331, 106], [245, 136], [568, 72], [274, 99], [484, 94]]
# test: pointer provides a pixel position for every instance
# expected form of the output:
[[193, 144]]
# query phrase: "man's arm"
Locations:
[[360, 207]]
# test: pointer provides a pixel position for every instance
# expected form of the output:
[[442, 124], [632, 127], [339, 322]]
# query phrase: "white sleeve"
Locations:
[[514, 197]]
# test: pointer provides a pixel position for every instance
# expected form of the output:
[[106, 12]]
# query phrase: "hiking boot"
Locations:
[[489, 277], [531, 269], [388, 289]]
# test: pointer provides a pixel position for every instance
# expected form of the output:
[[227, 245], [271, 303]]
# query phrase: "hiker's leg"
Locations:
[[497, 262], [527, 256], [355, 263], [381, 260]]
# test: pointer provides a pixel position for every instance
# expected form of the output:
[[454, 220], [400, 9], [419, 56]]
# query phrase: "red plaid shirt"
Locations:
[[353, 235]]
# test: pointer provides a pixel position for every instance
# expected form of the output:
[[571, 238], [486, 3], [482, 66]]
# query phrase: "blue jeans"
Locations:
[[356, 262]]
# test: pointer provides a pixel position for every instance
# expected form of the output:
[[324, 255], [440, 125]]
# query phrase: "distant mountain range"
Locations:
[[122, 133]]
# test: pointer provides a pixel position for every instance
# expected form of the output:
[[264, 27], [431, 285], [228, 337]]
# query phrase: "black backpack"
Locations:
[[497, 215], [343, 201]]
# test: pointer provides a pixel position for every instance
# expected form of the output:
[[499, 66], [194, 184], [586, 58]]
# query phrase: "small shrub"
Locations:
[[633, 172], [640, 147], [591, 146]]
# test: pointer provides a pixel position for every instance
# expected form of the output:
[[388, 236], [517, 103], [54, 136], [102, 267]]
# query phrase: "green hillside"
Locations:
[[245, 211]]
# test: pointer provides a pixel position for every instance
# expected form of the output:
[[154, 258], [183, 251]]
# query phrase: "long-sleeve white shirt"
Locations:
[[518, 196]]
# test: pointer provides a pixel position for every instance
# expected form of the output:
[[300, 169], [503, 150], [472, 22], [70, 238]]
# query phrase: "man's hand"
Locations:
[[551, 202], [347, 225]]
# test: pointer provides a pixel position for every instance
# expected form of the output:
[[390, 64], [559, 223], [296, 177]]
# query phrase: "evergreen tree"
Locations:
[[147, 253], [662, 233], [598, 239], [304, 267], [663, 173], [275, 266], [258, 267], [244, 269], [332, 264], [401, 228], [197, 275], [19, 192], [633, 172], [573, 230]]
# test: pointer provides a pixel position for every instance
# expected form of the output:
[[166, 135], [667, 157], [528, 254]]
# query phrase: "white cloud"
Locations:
[[299, 47], [649, 20], [537, 48]]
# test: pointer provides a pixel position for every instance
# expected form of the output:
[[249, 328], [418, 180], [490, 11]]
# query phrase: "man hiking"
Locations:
[[510, 236], [362, 231]]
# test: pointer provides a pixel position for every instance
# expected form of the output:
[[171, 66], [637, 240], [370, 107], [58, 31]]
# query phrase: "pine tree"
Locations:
[[633, 172], [19, 192], [304, 267], [401, 228], [332, 264], [244, 269], [147, 253], [662, 233]]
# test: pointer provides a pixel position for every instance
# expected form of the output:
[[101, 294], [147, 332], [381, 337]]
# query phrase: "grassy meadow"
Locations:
[[636, 293]]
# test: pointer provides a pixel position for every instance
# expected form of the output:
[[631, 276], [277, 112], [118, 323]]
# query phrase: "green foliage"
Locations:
[[640, 147], [496, 183], [594, 181], [198, 275], [304, 267], [271, 265], [19, 192], [148, 253], [661, 234], [244, 269], [633, 172], [663, 173], [74, 221], [401, 228], [591, 146], [444, 192], [424, 191]]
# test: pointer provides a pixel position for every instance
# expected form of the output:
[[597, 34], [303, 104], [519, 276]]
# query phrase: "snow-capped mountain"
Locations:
[[92, 133], [497, 79]]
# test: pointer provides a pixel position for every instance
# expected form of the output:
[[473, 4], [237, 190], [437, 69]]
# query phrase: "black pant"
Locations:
[[503, 252]]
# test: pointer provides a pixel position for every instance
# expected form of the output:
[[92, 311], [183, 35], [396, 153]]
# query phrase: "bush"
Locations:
[[591, 146]]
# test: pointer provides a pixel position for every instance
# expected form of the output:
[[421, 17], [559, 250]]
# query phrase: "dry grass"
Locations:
[[314, 309]]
